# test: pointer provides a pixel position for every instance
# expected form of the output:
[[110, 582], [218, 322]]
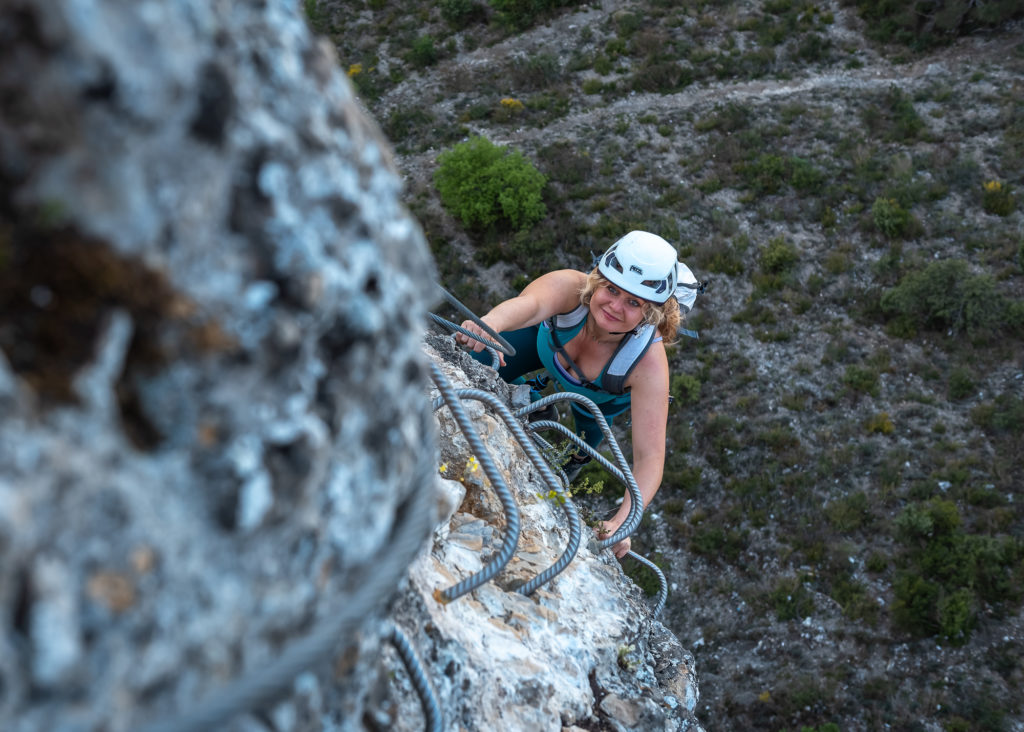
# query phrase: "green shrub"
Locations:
[[724, 259], [778, 257], [423, 53], [956, 615], [685, 388], [791, 600], [663, 77], [766, 174], [947, 572], [861, 379], [891, 218], [923, 24], [961, 383], [403, 121], [913, 609], [849, 513], [1004, 415], [804, 176], [517, 15], [997, 198], [718, 542], [945, 296], [536, 71], [459, 13], [482, 184]]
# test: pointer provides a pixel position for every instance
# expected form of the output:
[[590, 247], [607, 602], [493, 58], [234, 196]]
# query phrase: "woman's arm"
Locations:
[[649, 407], [550, 294]]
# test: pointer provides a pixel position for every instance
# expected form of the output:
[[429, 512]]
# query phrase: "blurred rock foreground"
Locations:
[[218, 456]]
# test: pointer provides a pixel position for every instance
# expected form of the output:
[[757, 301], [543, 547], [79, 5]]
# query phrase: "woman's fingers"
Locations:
[[465, 339]]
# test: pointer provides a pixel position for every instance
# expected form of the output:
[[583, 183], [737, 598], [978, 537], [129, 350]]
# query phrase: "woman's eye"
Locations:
[[634, 304], [613, 290]]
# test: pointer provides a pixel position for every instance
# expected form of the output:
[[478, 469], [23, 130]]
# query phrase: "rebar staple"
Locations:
[[544, 468], [431, 711], [635, 514], [659, 604], [499, 560]]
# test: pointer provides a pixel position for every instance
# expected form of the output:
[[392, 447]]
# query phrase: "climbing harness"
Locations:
[[627, 354]]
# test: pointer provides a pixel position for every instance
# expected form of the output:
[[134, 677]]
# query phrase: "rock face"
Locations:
[[582, 651], [217, 448], [213, 420]]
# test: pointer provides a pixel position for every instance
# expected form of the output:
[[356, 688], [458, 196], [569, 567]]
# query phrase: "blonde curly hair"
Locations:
[[666, 317]]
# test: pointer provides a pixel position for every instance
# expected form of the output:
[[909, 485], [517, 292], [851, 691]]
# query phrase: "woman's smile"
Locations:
[[618, 309]]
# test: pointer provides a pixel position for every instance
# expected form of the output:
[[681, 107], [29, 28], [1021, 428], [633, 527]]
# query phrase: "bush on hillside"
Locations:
[[484, 184], [518, 15], [945, 296], [923, 24]]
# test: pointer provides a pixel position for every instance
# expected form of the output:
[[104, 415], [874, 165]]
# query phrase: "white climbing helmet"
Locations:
[[687, 288], [642, 264]]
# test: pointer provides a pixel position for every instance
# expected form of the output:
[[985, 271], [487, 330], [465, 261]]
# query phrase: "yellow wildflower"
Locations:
[[443, 469], [512, 105], [993, 186], [472, 465], [355, 70]]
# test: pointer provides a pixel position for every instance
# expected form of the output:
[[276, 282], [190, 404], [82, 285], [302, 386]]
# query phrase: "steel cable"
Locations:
[[636, 500], [265, 685], [546, 424], [431, 711], [508, 547], [663, 591], [505, 346], [492, 348], [575, 528]]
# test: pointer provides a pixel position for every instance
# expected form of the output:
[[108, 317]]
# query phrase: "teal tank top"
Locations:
[[610, 384]]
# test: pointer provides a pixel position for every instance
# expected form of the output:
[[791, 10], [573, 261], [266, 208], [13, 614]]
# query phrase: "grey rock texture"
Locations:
[[219, 465], [213, 399]]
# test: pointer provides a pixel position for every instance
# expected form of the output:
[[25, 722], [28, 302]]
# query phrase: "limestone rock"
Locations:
[[213, 416], [582, 650]]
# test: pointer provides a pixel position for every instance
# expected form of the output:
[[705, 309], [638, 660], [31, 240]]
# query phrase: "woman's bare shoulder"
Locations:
[[560, 288], [653, 365]]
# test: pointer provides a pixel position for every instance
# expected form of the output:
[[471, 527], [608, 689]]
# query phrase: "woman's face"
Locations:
[[616, 310]]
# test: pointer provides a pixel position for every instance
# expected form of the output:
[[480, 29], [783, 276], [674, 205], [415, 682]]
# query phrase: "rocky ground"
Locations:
[[817, 426]]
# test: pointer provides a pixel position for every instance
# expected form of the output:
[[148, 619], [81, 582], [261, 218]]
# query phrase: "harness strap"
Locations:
[[627, 355], [559, 348]]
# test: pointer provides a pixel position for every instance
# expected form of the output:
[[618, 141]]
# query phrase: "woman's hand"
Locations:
[[608, 528], [475, 345]]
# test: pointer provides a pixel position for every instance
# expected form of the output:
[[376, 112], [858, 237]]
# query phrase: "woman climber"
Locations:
[[603, 335]]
